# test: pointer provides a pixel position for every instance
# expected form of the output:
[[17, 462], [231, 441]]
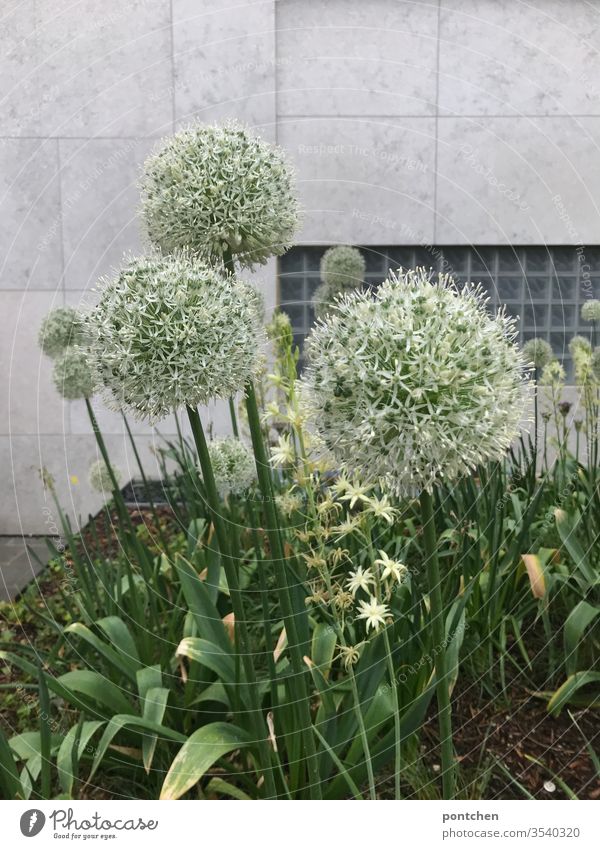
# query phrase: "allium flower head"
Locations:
[[590, 311], [414, 382], [215, 188], [99, 476], [342, 268], [553, 374], [538, 352], [233, 465], [61, 327], [579, 344], [172, 331], [72, 374]]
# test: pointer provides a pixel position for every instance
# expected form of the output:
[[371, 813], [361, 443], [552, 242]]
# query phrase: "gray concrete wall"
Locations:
[[460, 121]]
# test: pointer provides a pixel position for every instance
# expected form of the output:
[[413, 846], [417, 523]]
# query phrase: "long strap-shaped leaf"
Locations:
[[135, 723], [199, 753]]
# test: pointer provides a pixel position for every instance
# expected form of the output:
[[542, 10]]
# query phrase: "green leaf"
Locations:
[[134, 723], [98, 688], [323, 647], [582, 615], [566, 691], [209, 655], [9, 774], [148, 677], [586, 576], [66, 757], [120, 636], [115, 659], [155, 704], [200, 751], [224, 788], [206, 615]]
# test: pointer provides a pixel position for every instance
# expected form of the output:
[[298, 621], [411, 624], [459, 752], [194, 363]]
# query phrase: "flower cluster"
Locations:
[[342, 269], [73, 375], [415, 382], [590, 311], [61, 327], [172, 331], [538, 352], [99, 476], [215, 189], [233, 465]]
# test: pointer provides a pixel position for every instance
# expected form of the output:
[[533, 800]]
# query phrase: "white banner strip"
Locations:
[[261, 825]]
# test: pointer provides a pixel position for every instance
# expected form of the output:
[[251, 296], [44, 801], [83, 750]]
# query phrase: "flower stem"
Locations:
[[438, 633], [215, 509], [278, 556]]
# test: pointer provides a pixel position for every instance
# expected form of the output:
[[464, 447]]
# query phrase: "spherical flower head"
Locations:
[[99, 476], [590, 311], [342, 268], [72, 374], [415, 382], [580, 345], [172, 331], [553, 374], [61, 328], [211, 189], [233, 465], [323, 299], [538, 352]]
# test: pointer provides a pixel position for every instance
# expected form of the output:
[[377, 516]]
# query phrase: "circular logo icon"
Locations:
[[32, 822]]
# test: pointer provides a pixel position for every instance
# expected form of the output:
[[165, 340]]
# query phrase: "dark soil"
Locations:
[[537, 750]]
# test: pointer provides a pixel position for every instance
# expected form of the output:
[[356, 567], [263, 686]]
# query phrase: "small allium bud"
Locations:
[[61, 327], [233, 465], [590, 311], [538, 352], [172, 331], [73, 376], [210, 189], [99, 476], [564, 408], [414, 382]]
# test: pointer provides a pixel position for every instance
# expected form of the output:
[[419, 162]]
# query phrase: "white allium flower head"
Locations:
[[209, 189], [99, 476], [590, 311], [414, 382], [233, 465], [580, 345], [72, 374], [61, 327], [342, 268], [538, 352], [172, 331]]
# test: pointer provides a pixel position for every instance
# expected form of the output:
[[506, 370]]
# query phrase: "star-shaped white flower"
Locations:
[[381, 508], [373, 612], [361, 579], [283, 452], [393, 569]]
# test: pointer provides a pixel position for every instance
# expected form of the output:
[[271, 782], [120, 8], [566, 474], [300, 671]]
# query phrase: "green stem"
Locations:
[[234, 424], [277, 554], [438, 633], [215, 510]]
